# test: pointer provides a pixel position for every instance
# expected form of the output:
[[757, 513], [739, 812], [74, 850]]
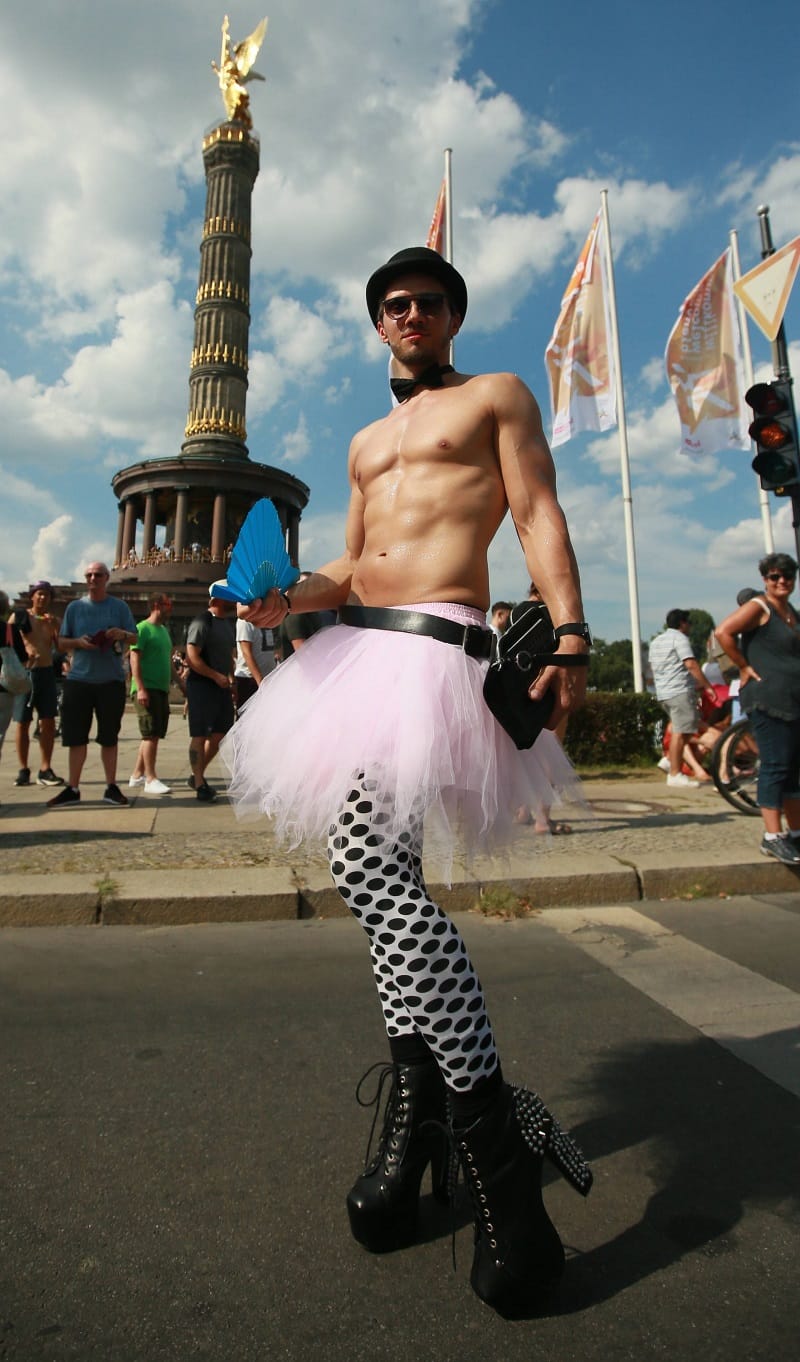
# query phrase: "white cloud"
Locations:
[[47, 555], [321, 538], [301, 338], [776, 184], [653, 374], [296, 443], [266, 382], [134, 387], [654, 451]]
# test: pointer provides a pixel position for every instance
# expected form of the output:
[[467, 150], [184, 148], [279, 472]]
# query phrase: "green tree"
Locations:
[[611, 665], [700, 626]]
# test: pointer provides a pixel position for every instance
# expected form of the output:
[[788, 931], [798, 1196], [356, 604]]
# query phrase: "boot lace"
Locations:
[[387, 1074]]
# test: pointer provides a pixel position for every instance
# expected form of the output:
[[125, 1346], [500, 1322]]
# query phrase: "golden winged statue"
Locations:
[[236, 69]]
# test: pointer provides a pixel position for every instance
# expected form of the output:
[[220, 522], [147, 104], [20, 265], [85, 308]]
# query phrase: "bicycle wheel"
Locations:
[[734, 767]]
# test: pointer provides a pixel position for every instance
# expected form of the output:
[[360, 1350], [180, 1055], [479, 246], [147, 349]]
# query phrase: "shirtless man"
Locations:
[[380, 721], [40, 642]]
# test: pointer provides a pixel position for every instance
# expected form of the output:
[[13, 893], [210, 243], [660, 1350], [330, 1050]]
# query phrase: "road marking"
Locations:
[[754, 1018]]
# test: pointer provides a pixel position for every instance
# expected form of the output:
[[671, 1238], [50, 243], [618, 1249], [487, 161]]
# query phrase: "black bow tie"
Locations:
[[429, 378]]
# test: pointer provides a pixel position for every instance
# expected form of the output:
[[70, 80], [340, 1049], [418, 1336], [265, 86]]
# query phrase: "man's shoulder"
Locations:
[[490, 389], [670, 641], [117, 606], [81, 605], [660, 644], [147, 631]]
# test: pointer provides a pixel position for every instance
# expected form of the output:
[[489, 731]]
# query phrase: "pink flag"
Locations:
[[579, 363], [704, 366]]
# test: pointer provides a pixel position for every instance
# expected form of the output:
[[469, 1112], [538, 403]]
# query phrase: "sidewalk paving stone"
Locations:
[[172, 859]]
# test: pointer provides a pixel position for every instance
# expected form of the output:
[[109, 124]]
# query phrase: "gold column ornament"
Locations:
[[235, 70]]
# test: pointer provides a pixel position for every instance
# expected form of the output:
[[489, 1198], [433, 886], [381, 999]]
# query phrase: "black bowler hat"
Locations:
[[416, 260]]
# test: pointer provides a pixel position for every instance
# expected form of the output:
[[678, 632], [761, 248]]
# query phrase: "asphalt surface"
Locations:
[[179, 1133]]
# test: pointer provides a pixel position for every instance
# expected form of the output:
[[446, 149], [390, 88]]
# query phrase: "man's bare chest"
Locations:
[[424, 441]]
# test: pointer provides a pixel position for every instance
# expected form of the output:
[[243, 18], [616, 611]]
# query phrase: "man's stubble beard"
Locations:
[[417, 354]]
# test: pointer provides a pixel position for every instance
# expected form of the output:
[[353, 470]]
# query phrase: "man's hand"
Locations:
[[223, 681], [266, 613], [85, 641], [116, 635], [568, 684]]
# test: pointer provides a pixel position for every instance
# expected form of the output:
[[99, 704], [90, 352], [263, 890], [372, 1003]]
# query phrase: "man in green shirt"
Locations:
[[151, 675]]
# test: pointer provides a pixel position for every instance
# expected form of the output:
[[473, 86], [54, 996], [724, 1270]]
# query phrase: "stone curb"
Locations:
[[174, 898]]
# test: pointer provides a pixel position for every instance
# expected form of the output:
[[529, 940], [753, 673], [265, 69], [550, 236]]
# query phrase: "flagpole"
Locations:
[[448, 221], [448, 199], [627, 498], [763, 498]]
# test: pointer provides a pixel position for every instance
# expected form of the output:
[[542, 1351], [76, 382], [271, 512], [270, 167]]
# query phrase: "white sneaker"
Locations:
[[136, 780], [663, 764], [156, 787], [681, 779]]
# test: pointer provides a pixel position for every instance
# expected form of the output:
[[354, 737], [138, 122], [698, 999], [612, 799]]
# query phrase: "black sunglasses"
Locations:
[[780, 576], [430, 304]]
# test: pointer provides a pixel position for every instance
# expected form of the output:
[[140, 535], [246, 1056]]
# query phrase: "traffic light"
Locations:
[[774, 432]]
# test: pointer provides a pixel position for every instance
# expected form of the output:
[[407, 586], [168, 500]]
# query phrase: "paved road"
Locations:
[[179, 1132]]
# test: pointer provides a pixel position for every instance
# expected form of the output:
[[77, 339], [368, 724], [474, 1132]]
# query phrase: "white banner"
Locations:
[[705, 368], [579, 362]]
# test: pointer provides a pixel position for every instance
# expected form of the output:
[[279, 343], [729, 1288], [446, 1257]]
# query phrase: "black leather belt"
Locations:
[[474, 641]]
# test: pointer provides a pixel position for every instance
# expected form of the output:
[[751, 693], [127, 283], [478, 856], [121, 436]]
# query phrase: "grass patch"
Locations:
[[107, 888], [497, 900]]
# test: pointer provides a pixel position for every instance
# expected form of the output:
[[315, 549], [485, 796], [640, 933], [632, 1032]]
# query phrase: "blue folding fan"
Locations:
[[259, 560]]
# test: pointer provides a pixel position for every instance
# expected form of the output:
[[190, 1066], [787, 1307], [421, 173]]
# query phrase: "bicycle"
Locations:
[[734, 767]]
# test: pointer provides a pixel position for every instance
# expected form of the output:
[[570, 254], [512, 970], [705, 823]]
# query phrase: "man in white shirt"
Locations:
[[678, 679], [255, 659]]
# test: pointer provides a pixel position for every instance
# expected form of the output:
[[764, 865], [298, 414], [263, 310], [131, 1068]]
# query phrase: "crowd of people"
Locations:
[[753, 668], [159, 555], [112, 659], [700, 701]]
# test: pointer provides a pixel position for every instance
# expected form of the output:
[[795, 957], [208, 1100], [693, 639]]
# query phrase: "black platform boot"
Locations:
[[518, 1254], [383, 1203]]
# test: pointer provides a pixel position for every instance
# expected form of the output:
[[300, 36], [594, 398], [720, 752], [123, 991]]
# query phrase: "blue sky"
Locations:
[[102, 195]]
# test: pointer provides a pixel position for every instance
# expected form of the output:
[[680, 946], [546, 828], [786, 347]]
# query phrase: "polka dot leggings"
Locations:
[[426, 982]]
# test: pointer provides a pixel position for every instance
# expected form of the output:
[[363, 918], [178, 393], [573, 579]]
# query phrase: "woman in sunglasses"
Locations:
[[768, 655]]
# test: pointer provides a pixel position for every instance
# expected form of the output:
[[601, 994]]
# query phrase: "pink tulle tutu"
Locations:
[[407, 713]]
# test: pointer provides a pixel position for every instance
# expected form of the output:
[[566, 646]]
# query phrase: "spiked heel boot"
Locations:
[[518, 1254], [383, 1203]]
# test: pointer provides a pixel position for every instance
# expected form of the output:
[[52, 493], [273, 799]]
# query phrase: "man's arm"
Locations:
[[71, 645], [67, 643], [693, 668], [329, 587], [528, 473], [21, 620], [142, 694], [195, 660], [250, 661], [125, 632]]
